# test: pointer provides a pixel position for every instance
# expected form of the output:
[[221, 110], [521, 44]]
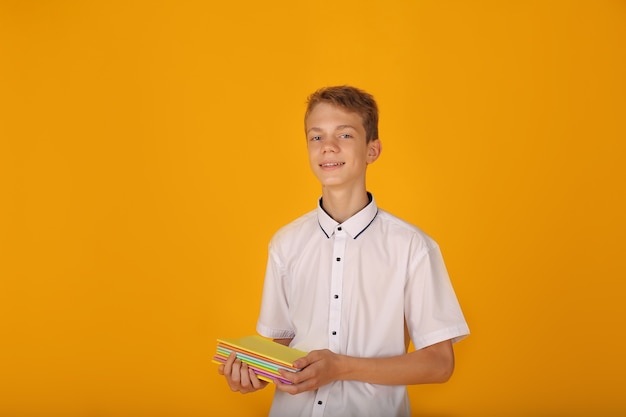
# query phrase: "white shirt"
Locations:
[[349, 288]]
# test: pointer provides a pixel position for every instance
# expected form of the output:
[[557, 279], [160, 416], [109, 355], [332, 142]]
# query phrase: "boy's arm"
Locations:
[[432, 364], [283, 341]]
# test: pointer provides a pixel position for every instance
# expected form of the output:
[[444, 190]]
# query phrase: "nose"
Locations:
[[330, 145]]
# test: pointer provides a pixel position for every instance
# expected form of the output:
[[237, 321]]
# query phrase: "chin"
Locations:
[[332, 184]]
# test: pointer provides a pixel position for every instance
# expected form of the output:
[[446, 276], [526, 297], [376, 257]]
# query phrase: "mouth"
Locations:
[[332, 164]]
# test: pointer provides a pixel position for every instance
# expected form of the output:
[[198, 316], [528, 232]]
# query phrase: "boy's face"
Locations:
[[338, 152]]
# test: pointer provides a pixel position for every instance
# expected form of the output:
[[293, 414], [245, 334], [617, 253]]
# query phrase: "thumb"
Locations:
[[302, 362]]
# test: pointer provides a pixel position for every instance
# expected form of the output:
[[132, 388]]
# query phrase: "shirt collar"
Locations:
[[354, 226]]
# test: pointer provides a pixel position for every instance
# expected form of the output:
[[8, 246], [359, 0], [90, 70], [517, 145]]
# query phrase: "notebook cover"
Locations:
[[266, 348]]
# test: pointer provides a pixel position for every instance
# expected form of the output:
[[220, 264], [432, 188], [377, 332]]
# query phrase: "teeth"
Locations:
[[333, 164]]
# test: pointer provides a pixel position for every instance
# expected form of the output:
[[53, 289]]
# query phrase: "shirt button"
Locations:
[[334, 332], [339, 228], [336, 296], [319, 402], [338, 259]]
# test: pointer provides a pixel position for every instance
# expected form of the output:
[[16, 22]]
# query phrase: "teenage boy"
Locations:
[[351, 284]]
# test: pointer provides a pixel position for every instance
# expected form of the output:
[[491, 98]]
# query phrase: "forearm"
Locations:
[[433, 364], [284, 342]]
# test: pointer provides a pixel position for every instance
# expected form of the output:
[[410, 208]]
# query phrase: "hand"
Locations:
[[239, 376], [319, 367]]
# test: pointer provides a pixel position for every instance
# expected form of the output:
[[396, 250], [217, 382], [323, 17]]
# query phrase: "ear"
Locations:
[[374, 148]]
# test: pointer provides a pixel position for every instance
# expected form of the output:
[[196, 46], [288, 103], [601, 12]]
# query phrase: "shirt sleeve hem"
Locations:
[[274, 333], [455, 334]]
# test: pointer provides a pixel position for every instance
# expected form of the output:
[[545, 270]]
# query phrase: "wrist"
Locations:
[[347, 366]]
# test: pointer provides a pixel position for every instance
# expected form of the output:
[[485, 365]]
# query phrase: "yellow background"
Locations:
[[149, 149]]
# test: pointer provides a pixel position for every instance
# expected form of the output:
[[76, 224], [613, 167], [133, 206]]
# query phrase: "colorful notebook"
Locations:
[[264, 356]]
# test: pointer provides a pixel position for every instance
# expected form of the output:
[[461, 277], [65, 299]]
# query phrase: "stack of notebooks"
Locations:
[[264, 356]]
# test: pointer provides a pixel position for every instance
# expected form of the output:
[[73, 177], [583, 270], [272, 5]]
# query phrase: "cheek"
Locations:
[[312, 160]]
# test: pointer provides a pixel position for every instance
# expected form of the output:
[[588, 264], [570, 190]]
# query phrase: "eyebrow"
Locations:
[[340, 127]]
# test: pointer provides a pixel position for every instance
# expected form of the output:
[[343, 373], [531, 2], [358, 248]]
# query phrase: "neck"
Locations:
[[341, 205]]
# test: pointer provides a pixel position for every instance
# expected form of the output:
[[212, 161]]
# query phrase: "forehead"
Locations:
[[327, 115]]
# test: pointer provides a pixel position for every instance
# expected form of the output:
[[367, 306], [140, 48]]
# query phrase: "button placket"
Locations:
[[336, 285], [319, 404]]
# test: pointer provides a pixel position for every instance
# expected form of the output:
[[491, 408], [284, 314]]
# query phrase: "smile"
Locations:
[[332, 164]]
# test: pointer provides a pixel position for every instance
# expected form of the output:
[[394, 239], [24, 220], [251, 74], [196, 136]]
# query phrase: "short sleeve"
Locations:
[[433, 313], [274, 321]]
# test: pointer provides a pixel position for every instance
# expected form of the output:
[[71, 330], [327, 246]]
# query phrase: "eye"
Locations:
[[315, 138], [345, 136]]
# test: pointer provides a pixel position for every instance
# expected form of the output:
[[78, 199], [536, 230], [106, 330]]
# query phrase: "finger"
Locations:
[[302, 362], [289, 376], [228, 365], [235, 373], [256, 382], [284, 387], [244, 378], [233, 377]]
